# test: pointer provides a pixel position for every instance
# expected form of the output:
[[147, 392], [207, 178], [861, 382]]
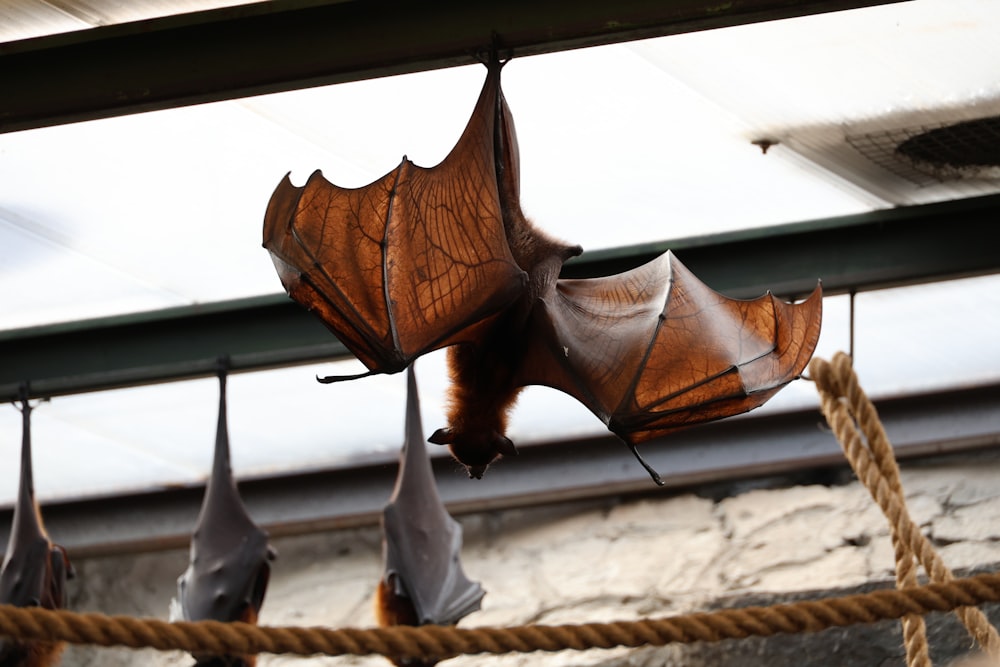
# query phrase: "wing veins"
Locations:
[[383, 247], [307, 278]]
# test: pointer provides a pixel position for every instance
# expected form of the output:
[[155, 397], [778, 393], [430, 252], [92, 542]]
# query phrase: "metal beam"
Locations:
[[861, 252], [887, 248], [737, 448], [289, 44]]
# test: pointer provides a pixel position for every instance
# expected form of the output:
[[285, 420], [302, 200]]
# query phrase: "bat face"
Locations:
[[230, 554], [423, 581], [34, 570], [444, 257], [475, 449]]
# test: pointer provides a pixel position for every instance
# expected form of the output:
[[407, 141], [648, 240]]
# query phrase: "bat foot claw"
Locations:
[[649, 469], [329, 379]]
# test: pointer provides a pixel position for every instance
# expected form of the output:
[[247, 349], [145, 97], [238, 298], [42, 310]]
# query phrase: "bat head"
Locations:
[[475, 449]]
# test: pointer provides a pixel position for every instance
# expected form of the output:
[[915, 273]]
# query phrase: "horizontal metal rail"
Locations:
[[861, 252], [289, 44], [737, 448]]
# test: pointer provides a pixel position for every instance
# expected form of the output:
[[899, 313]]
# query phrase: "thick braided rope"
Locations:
[[444, 641], [880, 469], [831, 386], [914, 628], [847, 409]]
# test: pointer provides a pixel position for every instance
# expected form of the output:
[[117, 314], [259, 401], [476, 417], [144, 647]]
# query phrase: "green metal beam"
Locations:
[[854, 253], [891, 247], [289, 44]]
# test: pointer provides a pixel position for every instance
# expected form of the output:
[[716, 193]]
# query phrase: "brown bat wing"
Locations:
[[654, 349], [406, 264], [422, 542], [230, 554]]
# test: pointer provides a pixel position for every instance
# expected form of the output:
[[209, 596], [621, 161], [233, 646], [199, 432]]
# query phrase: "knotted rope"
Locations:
[[855, 422]]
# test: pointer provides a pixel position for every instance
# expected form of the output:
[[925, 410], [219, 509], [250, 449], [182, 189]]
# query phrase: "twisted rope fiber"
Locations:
[[440, 642], [914, 628], [847, 410], [843, 417]]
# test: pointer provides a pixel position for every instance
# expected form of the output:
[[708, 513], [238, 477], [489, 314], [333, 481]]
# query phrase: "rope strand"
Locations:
[[855, 421], [441, 642]]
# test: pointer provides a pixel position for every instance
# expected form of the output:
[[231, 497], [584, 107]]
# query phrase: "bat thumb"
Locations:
[[442, 436], [504, 445]]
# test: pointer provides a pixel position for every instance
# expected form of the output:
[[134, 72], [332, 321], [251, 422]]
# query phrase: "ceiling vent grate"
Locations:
[[929, 154]]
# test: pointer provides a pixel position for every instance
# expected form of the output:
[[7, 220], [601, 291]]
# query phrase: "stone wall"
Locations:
[[621, 559]]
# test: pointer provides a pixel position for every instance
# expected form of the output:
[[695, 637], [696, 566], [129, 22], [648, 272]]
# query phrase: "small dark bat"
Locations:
[[230, 554], [422, 582], [34, 570], [427, 258]]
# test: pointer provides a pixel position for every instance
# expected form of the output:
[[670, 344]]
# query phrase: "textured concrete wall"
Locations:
[[621, 559]]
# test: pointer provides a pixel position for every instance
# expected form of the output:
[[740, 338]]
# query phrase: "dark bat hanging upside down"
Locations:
[[423, 581], [230, 554], [34, 570], [427, 258]]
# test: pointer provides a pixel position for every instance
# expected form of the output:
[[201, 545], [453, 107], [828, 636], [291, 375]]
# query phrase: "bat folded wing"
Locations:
[[654, 349], [230, 554], [422, 543], [34, 569], [426, 566]]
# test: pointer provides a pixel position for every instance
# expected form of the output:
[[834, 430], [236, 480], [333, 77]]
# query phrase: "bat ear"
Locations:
[[504, 445], [442, 436]]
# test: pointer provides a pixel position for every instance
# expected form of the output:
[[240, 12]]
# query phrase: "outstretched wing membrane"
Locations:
[[654, 349], [408, 263]]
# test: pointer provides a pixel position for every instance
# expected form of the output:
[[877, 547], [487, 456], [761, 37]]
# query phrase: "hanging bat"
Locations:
[[443, 257], [230, 554], [34, 570], [423, 581]]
